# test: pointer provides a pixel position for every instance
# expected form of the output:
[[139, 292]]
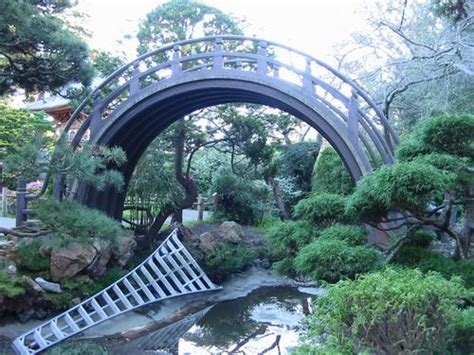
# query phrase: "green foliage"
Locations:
[[426, 261], [59, 301], [351, 235], [286, 240], [421, 238], [30, 258], [72, 222], [331, 260], [321, 209], [461, 338], [330, 174], [77, 348], [38, 51], [298, 162], [239, 199], [446, 134], [10, 286], [83, 286], [106, 63], [226, 259], [378, 311], [401, 187]]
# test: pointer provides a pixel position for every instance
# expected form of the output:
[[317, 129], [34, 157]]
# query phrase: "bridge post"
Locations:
[[135, 83], [262, 58], [175, 67], [20, 202], [353, 121], [307, 78], [218, 60]]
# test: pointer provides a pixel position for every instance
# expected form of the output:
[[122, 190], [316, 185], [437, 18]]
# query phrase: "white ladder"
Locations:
[[169, 272]]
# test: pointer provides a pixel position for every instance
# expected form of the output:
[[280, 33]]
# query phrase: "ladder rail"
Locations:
[[154, 279]]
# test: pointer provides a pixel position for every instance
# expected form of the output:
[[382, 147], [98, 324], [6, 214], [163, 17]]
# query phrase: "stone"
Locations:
[[11, 268], [207, 241], [122, 250], [71, 260], [231, 232], [41, 313], [45, 250], [75, 301], [32, 285], [48, 286], [25, 316], [99, 265]]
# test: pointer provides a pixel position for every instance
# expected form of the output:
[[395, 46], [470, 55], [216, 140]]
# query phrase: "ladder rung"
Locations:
[[162, 277], [85, 315], [122, 297], [152, 282], [98, 309], [39, 339], [56, 331], [170, 273], [143, 287], [71, 323], [134, 293], [110, 302]]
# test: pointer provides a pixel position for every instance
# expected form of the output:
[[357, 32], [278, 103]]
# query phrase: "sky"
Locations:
[[312, 26]]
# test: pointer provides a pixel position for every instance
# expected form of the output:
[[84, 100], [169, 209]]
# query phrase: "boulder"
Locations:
[[231, 232], [71, 260], [99, 265], [48, 286], [207, 241], [122, 249], [32, 285]]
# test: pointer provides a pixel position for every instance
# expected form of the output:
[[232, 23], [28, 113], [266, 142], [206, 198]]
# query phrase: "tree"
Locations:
[[433, 177], [37, 50], [421, 58]]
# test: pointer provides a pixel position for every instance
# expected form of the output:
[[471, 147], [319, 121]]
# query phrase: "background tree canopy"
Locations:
[[37, 50]]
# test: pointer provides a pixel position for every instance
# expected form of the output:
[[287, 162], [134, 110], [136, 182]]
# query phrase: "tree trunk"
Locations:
[[278, 195]]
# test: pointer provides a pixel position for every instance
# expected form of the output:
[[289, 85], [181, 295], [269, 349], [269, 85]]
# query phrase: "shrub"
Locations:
[[226, 259], [421, 238], [390, 311], [286, 239], [426, 260], [240, 200], [29, 257], [330, 175], [352, 235], [70, 221], [330, 260], [10, 286], [461, 339], [321, 209]]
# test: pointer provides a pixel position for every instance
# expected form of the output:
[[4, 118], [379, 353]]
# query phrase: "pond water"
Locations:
[[268, 321]]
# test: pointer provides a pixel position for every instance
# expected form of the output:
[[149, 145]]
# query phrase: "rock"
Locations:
[[231, 232], [41, 313], [207, 241], [25, 316], [122, 250], [75, 301], [99, 265], [11, 268], [69, 261], [32, 285], [185, 234], [45, 250], [48, 286]]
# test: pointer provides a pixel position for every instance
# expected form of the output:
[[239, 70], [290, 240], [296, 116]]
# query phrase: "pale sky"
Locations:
[[313, 26]]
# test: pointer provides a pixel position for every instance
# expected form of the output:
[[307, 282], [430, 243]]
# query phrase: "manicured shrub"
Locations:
[[330, 174], [286, 239], [331, 260], [70, 221], [29, 256], [240, 200], [321, 209], [426, 260], [392, 311], [352, 235], [226, 259]]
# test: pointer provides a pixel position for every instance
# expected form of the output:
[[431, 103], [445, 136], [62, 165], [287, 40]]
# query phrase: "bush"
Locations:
[[321, 209], [239, 199], [330, 174], [331, 260], [461, 339], [29, 257], [70, 221], [421, 238], [286, 239], [226, 259], [391, 311], [426, 260], [351, 235], [10, 286]]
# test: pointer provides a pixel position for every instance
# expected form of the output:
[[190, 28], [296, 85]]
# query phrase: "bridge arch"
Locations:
[[141, 99]]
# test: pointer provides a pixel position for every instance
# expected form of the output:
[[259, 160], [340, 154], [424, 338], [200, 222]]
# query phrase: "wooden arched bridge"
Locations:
[[138, 101]]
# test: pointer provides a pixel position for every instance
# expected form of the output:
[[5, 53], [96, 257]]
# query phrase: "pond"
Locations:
[[268, 321]]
